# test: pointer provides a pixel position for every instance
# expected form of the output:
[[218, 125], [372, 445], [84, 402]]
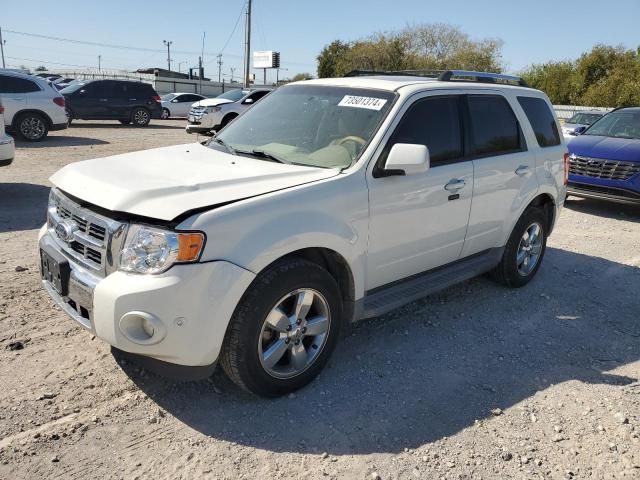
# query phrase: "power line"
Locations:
[[234, 27]]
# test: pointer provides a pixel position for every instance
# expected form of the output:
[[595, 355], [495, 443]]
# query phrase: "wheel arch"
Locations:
[[547, 204], [337, 266], [19, 113]]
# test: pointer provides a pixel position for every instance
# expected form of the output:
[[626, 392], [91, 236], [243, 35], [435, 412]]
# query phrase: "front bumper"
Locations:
[[612, 194], [7, 150], [191, 306]]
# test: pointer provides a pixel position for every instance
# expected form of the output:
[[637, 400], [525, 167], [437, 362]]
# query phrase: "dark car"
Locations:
[[123, 100], [604, 161]]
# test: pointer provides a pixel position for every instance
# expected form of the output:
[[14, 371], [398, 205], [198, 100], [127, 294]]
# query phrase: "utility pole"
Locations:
[[99, 61], [219, 67], [247, 45], [2, 42], [168, 44], [232, 71]]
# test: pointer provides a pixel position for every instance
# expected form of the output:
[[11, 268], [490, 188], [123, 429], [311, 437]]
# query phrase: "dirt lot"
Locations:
[[478, 382]]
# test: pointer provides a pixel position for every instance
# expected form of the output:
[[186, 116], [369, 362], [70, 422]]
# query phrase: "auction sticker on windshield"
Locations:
[[370, 103]]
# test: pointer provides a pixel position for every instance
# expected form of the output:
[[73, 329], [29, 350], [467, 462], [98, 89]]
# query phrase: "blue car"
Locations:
[[604, 160]]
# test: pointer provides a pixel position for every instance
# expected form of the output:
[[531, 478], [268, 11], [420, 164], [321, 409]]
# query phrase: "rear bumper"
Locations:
[[612, 194], [7, 150], [58, 126]]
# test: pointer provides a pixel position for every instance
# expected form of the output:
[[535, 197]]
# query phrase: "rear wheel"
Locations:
[[165, 113], [140, 117], [69, 116], [32, 126], [284, 329], [524, 251]]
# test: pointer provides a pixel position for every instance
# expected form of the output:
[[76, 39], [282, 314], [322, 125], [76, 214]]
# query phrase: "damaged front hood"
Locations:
[[164, 183]]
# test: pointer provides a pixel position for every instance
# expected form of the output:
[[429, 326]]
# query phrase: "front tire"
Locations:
[[524, 251], [165, 114], [284, 329], [140, 117], [32, 127]]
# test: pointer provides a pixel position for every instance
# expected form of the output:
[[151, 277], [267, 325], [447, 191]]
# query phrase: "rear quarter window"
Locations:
[[542, 121], [9, 84]]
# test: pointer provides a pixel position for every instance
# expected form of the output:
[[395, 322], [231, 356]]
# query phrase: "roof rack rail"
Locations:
[[410, 73], [446, 76], [481, 77]]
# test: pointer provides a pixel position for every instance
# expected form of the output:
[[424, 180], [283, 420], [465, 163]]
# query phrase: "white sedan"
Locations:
[[7, 145], [177, 105]]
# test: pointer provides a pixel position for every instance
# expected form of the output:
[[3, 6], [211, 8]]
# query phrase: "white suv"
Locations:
[[7, 145], [33, 106], [330, 201]]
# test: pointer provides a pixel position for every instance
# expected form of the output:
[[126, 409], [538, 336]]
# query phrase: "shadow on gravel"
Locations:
[[23, 206], [602, 208], [436, 366], [151, 126], [61, 141]]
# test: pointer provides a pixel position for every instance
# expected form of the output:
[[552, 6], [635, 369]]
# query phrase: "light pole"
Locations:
[[180, 66], [168, 44], [2, 44], [247, 46], [232, 70], [99, 60], [278, 74]]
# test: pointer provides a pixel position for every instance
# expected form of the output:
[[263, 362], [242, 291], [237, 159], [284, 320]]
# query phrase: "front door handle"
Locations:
[[522, 170], [454, 185], [103, 99]]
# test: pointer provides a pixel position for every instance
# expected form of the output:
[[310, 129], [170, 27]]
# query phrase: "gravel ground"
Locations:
[[478, 382]]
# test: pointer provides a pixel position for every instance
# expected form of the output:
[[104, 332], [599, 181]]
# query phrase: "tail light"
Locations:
[[566, 168], [156, 98], [1, 109], [59, 101]]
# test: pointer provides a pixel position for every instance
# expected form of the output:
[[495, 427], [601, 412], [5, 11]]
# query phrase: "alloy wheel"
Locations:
[[294, 333], [529, 249], [32, 128]]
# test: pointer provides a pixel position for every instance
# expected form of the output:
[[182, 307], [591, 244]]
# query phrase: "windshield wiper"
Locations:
[[229, 148], [264, 154]]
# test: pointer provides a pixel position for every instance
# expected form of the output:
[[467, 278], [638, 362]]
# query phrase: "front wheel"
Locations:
[[165, 114], [284, 329], [524, 251], [140, 117]]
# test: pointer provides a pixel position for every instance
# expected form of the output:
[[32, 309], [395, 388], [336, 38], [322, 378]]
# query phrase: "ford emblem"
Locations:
[[65, 230]]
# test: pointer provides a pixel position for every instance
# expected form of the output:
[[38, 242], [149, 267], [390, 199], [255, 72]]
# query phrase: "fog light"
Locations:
[[142, 328]]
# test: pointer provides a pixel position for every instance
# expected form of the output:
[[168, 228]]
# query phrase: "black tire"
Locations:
[[165, 114], [140, 117], [125, 122], [32, 126], [240, 358], [508, 272], [69, 116]]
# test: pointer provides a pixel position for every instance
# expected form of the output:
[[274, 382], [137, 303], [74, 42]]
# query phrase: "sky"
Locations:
[[533, 32]]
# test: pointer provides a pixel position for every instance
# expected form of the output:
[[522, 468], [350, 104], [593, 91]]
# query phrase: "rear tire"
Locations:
[[165, 114], [524, 251], [140, 117], [275, 361], [32, 127]]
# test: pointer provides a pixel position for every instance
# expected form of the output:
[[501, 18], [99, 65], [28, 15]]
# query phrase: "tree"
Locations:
[[330, 57], [556, 79], [427, 46], [301, 76], [41, 68]]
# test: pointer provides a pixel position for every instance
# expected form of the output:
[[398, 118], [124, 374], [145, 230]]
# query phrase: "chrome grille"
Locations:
[[605, 169], [92, 236]]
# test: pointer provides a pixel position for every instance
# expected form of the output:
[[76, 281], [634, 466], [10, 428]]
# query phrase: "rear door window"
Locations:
[[434, 122], [494, 128], [9, 84], [542, 121]]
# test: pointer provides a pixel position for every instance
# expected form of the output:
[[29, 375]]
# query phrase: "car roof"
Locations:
[[397, 82], [628, 109], [183, 93], [591, 112]]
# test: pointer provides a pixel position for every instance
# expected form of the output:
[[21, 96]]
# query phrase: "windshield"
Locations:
[[72, 88], [311, 125], [584, 118], [168, 97], [618, 125], [233, 95]]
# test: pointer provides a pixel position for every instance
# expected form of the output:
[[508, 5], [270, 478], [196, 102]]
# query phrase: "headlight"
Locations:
[[213, 109], [153, 250]]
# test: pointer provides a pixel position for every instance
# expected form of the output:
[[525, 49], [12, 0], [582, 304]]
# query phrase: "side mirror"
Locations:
[[407, 159], [175, 100], [579, 130], [248, 100], [82, 92]]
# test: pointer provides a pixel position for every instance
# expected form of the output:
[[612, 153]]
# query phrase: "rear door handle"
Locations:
[[454, 185], [103, 99], [522, 170]]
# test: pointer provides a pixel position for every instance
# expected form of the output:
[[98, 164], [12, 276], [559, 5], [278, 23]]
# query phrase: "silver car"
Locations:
[[580, 119]]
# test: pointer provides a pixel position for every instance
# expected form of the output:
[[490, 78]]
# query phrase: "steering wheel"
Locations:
[[350, 138]]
